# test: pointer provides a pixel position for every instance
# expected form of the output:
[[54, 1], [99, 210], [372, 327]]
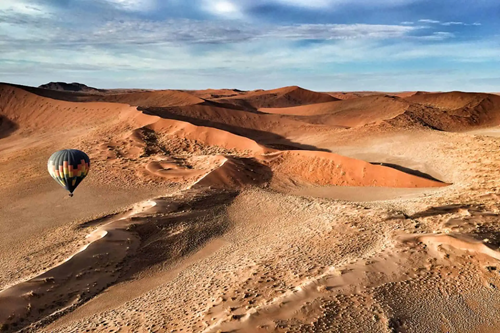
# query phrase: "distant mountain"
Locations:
[[76, 87]]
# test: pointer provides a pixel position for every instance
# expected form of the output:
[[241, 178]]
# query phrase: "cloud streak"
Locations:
[[139, 32], [451, 23]]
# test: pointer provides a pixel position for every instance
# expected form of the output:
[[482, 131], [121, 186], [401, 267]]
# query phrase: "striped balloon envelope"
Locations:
[[69, 167]]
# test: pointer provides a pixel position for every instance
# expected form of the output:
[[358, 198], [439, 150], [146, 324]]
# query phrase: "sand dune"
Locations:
[[35, 113], [356, 94], [282, 97], [323, 168], [266, 129], [134, 98], [454, 111], [208, 136], [151, 99], [216, 93], [350, 112], [449, 100], [219, 210]]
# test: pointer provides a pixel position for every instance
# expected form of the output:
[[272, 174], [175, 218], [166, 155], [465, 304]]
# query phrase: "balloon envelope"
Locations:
[[69, 167]]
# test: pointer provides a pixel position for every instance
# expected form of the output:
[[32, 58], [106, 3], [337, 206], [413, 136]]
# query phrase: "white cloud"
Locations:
[[257, 64], [338, 31], [22, 7], [134, 5], [453, 23], [438, 35], [255, 56], [446, 23], [429, 21], [179, 32], [407, 23], [223, 8]]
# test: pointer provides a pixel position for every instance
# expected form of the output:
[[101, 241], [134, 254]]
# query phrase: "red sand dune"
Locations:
[[357, 94], [206, 135], [236, 173], [215, 93], [151, 99], [350, 112], [406, 94], [453, 111], [33, 112], [282, 97], [450, 100], [132, 97], [260, 127], [324, 168]]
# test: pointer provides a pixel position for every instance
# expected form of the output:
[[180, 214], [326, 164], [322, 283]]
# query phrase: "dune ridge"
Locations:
[[281, 97]]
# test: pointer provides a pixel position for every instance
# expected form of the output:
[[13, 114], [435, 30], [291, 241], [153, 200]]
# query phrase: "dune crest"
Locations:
[[281, 97]]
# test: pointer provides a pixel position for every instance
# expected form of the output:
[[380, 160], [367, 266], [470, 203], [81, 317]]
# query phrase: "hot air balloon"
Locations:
[[69, 167]]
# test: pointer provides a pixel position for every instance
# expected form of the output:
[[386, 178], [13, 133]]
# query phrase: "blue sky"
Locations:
[[324, 45]]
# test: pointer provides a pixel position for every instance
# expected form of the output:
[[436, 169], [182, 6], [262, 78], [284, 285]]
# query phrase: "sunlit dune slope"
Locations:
[[134, 98], [350, 112], [452, 111], [216, 93], [31, 112], [282, 97], [324, 168]]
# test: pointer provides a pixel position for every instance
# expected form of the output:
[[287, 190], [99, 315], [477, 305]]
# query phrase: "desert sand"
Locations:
[[282, 210]]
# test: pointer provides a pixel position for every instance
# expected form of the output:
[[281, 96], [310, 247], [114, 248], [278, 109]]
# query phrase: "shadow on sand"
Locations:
[[7, 127], [408, 170], [268, 139]]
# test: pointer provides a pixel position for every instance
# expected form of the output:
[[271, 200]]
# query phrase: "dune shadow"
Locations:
[[447, 209], [267, 139], [242, 106], [102, 220], [7, 127], [171, 236], [408, 170], [184, 224]]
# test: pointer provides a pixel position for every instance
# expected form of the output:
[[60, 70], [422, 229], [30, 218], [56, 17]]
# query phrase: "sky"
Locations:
[[322, 45]]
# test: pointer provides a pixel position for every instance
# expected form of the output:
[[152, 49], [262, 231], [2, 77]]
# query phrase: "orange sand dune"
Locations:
[[215, 93], [266, 129], [236, 173], [357, 94], [350, 112], [134, 98], [36, 113], [207, 135], [354, 94], [451, 100], [406, 94], [277, 98], [152, 99], [453, 111], [324, 168]]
